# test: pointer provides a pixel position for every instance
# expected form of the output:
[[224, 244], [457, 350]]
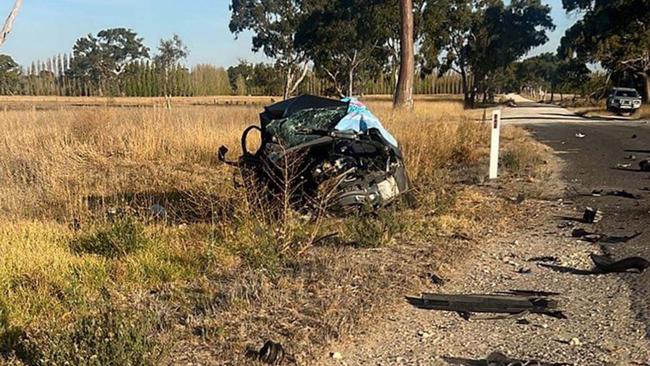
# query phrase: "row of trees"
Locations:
[[145, 78], [142, 78], [348, 41]]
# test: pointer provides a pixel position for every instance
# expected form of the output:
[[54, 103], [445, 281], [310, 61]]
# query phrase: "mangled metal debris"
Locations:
[[606, 264], [592, 215], [644, 165], [598, 237], [499, 359], [510, 303], [271, 353], [616, 193], [323, 153]]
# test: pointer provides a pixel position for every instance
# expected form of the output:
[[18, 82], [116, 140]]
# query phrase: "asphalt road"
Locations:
[[599, 161], [607, 314]]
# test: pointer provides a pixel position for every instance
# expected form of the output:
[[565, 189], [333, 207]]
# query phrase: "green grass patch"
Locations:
[[112, 240]]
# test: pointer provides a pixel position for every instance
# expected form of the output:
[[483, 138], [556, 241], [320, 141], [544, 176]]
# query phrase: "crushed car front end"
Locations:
[[325, 154]]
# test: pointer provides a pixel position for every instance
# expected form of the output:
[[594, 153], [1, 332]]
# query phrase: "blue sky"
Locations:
[[46, 28]]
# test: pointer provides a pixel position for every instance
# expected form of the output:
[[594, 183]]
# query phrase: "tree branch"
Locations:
[[297, 83], [9, 23]]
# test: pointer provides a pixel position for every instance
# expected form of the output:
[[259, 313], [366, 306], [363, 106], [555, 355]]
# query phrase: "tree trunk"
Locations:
[[463, 77], [350, 82], [404, 90], [472, 94], [9, 23], [646, 84], [288, 80]]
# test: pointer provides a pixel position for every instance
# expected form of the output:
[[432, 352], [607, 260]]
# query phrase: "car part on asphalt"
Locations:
[[592, 215], [498, 359], [323, 154], [644, 165], [497, 303], [607, 265], [596, 237], [530, 293], [616, 193]]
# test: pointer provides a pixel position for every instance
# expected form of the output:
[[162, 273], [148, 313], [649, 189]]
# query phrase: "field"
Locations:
[[91, 271]]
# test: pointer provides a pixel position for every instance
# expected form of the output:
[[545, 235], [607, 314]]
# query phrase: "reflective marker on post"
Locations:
[[494, 146]]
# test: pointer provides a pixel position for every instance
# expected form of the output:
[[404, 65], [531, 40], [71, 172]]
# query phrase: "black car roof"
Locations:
[[290, 106]]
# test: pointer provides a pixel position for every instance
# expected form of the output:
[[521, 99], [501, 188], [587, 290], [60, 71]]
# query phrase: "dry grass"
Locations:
[[644, 111], [228, 278]]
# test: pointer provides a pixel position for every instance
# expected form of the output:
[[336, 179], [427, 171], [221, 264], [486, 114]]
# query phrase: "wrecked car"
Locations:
[[322, 153]]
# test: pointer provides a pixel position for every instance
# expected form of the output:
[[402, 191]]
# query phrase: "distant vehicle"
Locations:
[[623, 101]]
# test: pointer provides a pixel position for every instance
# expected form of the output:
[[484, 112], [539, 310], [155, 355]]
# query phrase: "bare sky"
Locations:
[[46, 28]]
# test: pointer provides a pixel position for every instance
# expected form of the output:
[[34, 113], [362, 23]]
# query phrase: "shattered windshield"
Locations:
[[301, 126], [626, 93]]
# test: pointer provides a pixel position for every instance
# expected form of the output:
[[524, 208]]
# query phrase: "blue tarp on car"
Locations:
[[360, 119]]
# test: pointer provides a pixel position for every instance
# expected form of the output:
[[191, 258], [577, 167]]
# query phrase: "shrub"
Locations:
[[114, 240], [109, 337], [373, 231]]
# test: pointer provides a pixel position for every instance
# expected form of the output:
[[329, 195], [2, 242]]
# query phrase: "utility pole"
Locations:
[[404, 92]]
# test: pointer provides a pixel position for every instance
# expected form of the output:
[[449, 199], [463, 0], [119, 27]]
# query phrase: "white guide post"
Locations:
[[494, 145]]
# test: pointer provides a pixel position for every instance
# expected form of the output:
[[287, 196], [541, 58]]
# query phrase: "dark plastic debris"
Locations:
[[496, 303], [592, 215], [271, 353], [606, 264], [499, 359]]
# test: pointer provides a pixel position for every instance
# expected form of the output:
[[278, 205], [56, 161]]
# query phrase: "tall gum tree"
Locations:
[[404, 91]]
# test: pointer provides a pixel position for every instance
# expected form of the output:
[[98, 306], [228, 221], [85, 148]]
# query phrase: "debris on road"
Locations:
[[596, 237], [436, 279], [592, 215], [587, 235], [623, 165], [530, 293], [616, 193], [271, 353], [580, 232], [499, 359], [644, 165], [580, 135], [606, 264], [334, 154], [497, 303]]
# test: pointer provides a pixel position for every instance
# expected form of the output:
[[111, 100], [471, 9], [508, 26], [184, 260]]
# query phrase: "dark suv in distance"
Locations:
[[623, 101]]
